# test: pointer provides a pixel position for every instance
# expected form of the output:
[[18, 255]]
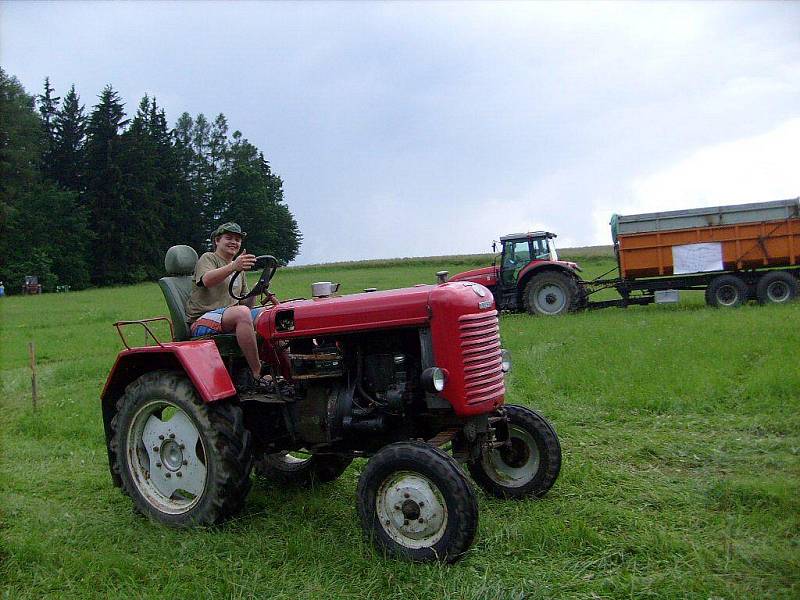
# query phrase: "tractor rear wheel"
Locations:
[[182, 462], [414, 502], [528, 465], [551, 293], [299, 468]]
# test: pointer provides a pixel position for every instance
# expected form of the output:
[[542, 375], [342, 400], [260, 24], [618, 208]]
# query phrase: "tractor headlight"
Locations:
[[433, 379], [505, 360]]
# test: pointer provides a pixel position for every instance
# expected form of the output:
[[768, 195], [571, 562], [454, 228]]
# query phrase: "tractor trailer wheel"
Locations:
[[551, 293], [726, 291], [528, 465], [415, 503], [298, 468], [776, 287], [182, 462]]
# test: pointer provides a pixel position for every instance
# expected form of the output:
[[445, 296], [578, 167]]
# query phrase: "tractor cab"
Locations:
[[518, 250]]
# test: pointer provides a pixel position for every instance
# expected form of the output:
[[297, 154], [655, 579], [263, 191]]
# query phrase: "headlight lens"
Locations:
[[505, 357], [433, 379]]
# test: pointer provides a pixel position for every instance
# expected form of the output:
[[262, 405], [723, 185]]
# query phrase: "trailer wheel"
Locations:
[[415, 502], [726, 291], [776, 287], [298, 468], [551, 293], [528, 466], [182, 462]]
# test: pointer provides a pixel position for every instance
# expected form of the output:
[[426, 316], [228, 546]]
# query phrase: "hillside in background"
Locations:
[[578, 253]]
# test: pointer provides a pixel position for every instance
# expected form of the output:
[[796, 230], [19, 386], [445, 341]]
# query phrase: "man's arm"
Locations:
[[216, 276]]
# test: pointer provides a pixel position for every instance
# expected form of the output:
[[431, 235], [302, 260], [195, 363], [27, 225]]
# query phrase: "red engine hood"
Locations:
[[405, 307], [485, 276]]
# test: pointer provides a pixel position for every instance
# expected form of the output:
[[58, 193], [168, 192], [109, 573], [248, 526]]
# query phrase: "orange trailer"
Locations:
[[742, 246], [734, 253]]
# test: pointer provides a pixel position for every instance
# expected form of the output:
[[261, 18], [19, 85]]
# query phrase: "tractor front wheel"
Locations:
[[528, 465], [551, 293], [414, 502], [298, 468], [182, 462]]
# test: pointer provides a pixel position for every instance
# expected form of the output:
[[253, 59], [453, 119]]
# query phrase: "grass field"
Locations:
[[681, 475]]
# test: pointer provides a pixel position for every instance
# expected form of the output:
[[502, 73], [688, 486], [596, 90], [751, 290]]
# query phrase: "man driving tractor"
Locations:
[[211, 309]]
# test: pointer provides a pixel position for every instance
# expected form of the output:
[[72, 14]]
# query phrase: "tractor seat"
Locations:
[[177, 285]]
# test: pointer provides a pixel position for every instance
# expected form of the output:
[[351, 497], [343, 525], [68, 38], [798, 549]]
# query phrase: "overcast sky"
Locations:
[[415, 129]]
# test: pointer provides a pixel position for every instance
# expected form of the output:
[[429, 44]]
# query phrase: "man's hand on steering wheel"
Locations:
[[244, 262], [270, 266]]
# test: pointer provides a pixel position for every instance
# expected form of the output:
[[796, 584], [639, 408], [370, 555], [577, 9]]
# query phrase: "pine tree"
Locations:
[[109, 208], [186, 222], [48, 108], [44, 229], [68, 165]]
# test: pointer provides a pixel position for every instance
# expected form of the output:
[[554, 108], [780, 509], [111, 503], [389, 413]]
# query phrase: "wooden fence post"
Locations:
[[34, 391]]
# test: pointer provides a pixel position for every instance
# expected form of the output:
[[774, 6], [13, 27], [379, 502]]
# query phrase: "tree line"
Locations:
[[96, 198]]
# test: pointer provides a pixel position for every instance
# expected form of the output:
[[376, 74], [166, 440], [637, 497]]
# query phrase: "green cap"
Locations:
[[228, 228]]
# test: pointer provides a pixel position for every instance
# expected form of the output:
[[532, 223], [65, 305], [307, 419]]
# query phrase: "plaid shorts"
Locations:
[[210, 323]]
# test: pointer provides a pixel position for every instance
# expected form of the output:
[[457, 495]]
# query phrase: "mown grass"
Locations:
[[681, 475]]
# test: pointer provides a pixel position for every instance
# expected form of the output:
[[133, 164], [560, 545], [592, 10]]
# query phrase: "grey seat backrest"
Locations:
[[179, 263]]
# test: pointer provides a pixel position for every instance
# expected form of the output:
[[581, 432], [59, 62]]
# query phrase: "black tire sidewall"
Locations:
[[712, 292], [443, 471], [320, 468], [177, 390], [548, 447], [762, 288]]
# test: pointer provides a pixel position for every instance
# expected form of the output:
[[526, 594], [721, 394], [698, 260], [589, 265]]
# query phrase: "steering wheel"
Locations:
[[270, 265]]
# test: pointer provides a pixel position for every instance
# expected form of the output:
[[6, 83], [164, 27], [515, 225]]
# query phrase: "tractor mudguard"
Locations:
[[200, 360], [538, 266]]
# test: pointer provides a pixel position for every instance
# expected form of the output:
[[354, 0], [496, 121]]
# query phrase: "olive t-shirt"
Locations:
[[203, 299]]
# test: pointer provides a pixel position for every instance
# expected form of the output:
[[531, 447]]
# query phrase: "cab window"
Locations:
[[516, 254], [541, 249]]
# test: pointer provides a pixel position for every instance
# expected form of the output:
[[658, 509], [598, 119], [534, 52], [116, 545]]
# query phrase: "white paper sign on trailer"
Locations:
[[697, 258]]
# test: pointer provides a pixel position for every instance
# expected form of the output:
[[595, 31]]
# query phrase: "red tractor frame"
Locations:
[[412, 379]]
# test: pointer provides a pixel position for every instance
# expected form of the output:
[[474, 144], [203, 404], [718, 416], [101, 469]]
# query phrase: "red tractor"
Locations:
[[530, 276], [412, 379]]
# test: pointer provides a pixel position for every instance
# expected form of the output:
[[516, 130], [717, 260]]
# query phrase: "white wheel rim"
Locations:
[[166, 457], [550, 299], [411, 510], [517, 466]]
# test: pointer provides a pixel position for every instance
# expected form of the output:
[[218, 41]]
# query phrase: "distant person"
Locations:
[[212, 310], [2, 289]]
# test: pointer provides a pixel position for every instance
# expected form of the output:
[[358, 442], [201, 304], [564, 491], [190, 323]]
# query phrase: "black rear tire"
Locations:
[[529, 466], [183, 462], [551, 293], [415, 503], [776, 287], [286, 468], [726, 291]]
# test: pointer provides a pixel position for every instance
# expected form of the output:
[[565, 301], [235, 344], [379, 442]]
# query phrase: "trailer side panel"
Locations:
[[739, 246]]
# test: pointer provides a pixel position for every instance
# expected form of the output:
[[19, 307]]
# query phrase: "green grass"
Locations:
[[681, 478]]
